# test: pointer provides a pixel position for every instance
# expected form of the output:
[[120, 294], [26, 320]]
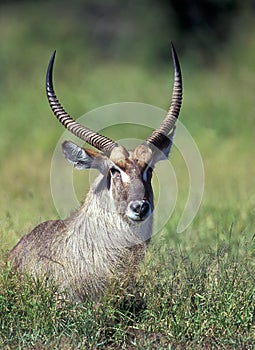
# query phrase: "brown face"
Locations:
[[129, 182], [127, 174]]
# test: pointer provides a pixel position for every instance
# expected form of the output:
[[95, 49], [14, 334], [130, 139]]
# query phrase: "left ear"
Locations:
[[162, 153], [82, 158]]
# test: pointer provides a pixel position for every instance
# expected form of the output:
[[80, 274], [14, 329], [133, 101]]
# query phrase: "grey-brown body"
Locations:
[[80, 253], [110, 232]]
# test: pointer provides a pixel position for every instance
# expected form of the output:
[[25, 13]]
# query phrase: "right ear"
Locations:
[[82, 158], [163, 152]]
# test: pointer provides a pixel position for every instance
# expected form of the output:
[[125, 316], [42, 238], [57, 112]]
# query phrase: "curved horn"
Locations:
[[157, 138], [96, 140]]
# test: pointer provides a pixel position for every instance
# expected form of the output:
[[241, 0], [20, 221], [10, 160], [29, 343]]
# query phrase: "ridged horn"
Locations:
[[96, 140], [158, 136]]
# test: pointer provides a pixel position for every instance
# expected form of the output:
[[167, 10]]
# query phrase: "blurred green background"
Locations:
[[119, 51]]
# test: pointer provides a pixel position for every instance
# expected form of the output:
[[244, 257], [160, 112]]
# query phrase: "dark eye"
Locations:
[[147, 174], [114, 172], [149, 171]]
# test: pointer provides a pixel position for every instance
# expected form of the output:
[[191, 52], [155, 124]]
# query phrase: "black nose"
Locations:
[[139, 209]]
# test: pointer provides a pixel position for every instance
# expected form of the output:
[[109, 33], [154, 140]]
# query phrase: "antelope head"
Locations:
[[127, 174]]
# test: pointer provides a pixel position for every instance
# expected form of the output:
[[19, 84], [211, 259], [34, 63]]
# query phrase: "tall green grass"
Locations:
[[178, 301], [195, 289]]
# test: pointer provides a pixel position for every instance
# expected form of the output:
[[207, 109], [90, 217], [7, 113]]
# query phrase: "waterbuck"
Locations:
[[111, 230]]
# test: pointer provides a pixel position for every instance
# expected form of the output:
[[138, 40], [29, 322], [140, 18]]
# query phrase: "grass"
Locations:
[[195, 289], [178, 301]]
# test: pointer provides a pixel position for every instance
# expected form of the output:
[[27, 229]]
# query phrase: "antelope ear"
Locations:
[[163, 152], [82, 158]]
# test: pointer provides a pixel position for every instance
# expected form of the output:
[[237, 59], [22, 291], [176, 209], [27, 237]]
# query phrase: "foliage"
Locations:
[[177, 299]]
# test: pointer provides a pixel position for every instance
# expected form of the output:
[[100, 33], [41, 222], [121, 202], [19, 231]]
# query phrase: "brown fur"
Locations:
[[113, 227], [80, 253]]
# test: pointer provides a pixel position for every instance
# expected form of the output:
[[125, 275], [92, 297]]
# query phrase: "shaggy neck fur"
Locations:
[[101, 240]]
